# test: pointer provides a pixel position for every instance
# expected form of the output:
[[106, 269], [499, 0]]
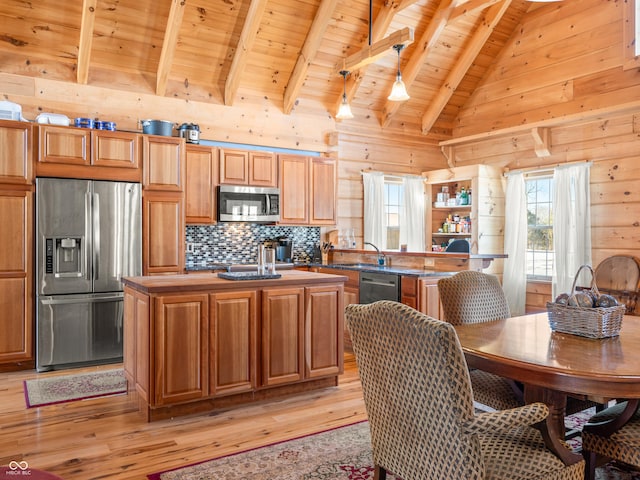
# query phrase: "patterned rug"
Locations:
[[47, 390], [342, 453]]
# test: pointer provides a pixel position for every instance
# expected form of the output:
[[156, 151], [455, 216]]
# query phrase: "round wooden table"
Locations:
[[552, 364]]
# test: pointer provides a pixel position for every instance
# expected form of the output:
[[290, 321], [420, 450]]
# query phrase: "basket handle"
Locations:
[[593, 287]]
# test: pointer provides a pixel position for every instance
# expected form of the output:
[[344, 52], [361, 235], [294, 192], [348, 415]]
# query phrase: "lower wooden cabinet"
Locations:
[[233, 342], [323, 331], [181, 329], [16, 278], [422, 294], [282, 335]]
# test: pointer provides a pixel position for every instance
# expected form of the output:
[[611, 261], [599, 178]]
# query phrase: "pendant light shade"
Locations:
[[344, 112], [398, 91]]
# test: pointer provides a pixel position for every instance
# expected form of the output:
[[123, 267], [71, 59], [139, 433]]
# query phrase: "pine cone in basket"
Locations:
[[562, 299], [605, 300], [581, 299]]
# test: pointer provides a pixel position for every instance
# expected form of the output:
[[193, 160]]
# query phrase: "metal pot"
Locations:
[[157, 127], [190, 132]]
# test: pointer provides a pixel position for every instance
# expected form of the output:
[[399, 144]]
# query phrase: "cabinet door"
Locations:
[[163, 163], [294, 203], [66, 145], [16, 276], [263, 169], [115, 149], [232, 342], [136, 342], [324, 325], [429, 298], [234, 167], [322, 191], [282, 335], [200, 187], [181, 348], [15, 153], [163, 233]]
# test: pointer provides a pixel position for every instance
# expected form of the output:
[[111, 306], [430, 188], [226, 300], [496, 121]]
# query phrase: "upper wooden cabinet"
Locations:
[[294, 197], [163, 163], [307, 190], [322, 191], [200, 185], [86, 153], [163, 230], [242, 167], [15, 153]]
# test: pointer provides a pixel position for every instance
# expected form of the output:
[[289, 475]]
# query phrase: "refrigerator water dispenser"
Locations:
[[66, 257]]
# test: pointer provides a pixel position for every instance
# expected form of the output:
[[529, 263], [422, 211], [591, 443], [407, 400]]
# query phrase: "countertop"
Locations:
[[211, 282], [373, 268]]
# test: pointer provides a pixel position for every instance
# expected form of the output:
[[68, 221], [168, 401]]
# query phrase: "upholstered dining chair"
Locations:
[[418, 399], [475, 297], [600, 444]]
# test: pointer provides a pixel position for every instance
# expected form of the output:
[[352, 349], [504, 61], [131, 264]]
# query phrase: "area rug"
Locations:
[[48, 390], [342, 453]]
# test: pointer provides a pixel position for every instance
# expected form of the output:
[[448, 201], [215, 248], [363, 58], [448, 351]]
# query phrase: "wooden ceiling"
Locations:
[[289, 51]]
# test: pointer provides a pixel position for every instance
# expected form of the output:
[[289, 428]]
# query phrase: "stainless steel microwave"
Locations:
[[248, 204]]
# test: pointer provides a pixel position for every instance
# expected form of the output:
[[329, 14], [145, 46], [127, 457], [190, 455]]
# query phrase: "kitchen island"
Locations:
[[194, 343]]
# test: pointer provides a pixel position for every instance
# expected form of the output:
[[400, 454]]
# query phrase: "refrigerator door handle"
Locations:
[[96, 235], [52, 300]]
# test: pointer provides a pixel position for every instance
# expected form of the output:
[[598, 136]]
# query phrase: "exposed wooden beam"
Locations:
[[421, 52], [245, 45], [376, 50], [174, 21], [86, 39], [378, 29], [470, 7], [541, 141], [308, 53], [480, 36]]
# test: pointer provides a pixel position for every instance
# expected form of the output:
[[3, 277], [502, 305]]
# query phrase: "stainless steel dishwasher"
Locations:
[[379, 286]]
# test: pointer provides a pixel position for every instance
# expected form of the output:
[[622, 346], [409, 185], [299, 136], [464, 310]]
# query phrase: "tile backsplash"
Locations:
[[238, 242]]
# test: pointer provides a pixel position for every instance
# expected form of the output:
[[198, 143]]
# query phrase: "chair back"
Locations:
[[472, 297], [619, 275], [416, 391], [459, 245]]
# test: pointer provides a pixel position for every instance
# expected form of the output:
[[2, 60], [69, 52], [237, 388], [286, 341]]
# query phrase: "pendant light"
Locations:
[[398, 91], [344, 112]]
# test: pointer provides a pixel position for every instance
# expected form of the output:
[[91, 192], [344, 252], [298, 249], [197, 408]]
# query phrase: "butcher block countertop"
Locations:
[[211, 281]]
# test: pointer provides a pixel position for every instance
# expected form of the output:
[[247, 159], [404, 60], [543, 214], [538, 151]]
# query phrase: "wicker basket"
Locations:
[[597, 322]]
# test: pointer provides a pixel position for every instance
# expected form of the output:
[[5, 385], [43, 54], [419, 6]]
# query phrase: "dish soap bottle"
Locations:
[[464, 197]]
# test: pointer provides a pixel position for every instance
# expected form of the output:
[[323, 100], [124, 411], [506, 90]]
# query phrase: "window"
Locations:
[[540, 227], [393, 199]]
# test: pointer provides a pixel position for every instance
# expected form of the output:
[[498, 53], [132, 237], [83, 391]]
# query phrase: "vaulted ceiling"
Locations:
[[289, 51]]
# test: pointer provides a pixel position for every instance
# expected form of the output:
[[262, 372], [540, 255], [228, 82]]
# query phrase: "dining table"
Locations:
[[552, 365]]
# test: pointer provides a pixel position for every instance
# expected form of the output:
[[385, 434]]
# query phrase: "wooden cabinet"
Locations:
[[233, 342], [16, 276], [136, 341], [282, 335], [16, 241], [322, 191], [181, 347], [163, 230], [201, 181], [323, 331], [242, 167], [16, 153], [163, 163], [486, 212], [163, 216], [422, 294], [71, 152], [307, 190]]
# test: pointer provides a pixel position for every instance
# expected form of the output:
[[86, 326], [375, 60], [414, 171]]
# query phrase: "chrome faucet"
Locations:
[[382, 260]]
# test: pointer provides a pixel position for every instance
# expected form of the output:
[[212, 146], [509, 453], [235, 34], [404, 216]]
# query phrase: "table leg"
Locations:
[[552, 430]]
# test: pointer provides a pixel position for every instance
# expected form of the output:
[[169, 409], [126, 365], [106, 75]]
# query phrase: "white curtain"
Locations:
[[412, 214], [375, 221], [571, 226], [514, 282]]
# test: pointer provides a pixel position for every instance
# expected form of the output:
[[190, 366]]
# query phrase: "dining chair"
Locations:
[[602, 442], [476, 297], [619, 275], [417, 394]]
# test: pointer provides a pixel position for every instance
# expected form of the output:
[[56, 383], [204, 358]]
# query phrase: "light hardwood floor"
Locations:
[[107, 438]]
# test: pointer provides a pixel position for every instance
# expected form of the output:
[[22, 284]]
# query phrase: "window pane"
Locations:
[[540, 227]]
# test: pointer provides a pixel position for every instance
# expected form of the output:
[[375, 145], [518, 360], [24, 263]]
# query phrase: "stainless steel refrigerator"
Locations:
[[88, 236]]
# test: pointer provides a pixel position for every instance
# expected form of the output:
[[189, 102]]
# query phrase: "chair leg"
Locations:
[[590, 465], [379, 473]]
